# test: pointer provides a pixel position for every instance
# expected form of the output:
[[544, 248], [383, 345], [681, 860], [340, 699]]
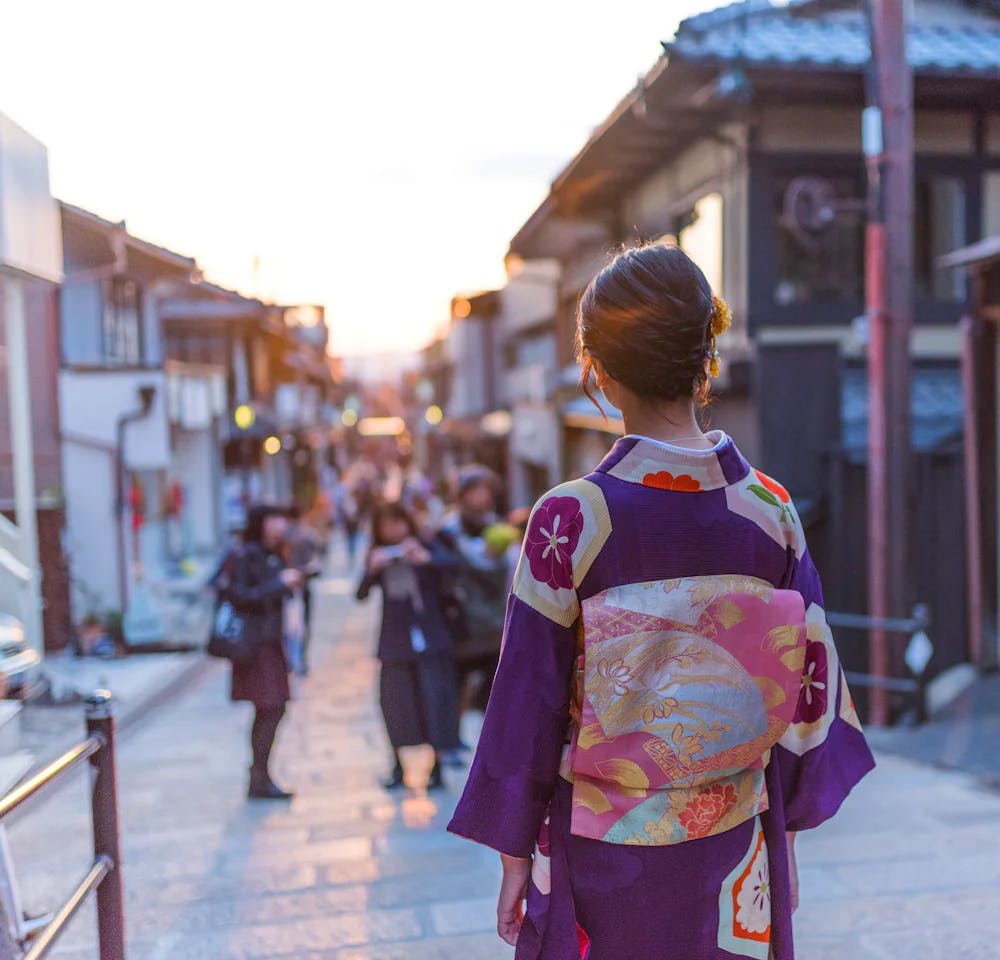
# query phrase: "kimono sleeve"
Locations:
[[823, 754], [516, 767]]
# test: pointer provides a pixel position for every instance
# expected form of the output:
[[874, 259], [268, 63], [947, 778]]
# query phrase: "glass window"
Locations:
[[938, 228], [701, 239], [122, 321], [991, 203], [820, 238]]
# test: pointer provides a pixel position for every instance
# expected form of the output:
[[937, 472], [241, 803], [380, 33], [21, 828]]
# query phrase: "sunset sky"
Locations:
[[374, 157]]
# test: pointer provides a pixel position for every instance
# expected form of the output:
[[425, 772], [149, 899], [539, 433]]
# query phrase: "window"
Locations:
[[938, 228], [122, 321], [701, 238], [991, 203], [820, 241]]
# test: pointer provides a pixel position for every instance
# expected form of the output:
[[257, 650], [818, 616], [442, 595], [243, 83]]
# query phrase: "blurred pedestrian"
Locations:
[[302, 553], [479, 586], [417, 683], [670, 707], [257, 582]]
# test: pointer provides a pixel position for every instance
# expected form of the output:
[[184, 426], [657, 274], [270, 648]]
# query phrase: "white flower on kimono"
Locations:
[[814, 693], [753, 899], [618, 673]]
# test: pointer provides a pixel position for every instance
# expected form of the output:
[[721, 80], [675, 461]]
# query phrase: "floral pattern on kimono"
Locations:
[[712, 715]]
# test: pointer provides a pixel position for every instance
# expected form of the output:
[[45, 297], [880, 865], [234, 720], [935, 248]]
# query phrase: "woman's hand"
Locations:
[[793, 872], [415, 552], [291, 577], [513, 890], [377, 561]]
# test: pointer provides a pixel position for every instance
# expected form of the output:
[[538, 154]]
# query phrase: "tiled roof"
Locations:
[[935, 407], [760, 34]]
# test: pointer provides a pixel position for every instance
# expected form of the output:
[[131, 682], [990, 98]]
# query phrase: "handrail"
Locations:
[[917, 623], [46, 940], [57, 768], [21, 572], [104, 875]]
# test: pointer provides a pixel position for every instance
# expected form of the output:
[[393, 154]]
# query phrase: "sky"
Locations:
[[372, 157]]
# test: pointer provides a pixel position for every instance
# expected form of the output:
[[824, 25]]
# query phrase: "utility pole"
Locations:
[[888, 129]]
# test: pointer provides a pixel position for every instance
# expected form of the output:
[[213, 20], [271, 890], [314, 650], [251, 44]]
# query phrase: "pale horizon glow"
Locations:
[[376, 159]]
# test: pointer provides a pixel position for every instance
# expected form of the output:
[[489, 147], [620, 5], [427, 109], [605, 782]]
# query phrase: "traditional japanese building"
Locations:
[[743, 144]]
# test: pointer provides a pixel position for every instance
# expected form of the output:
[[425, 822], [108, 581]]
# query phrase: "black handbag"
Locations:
[[231, 638]]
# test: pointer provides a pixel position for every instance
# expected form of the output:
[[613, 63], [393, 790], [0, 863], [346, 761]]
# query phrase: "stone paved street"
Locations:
[[909, 871]]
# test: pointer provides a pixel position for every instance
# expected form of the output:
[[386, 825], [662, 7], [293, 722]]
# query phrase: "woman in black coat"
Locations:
[[256, 582], [417, 686]]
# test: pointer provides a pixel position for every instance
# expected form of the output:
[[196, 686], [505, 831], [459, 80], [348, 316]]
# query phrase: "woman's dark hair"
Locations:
[[256, 516], [648, 318], [392, 510]]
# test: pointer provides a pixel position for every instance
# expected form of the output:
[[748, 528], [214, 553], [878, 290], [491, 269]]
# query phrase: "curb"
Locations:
[[140, 710], [125, 722]]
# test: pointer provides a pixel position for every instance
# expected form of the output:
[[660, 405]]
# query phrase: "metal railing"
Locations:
[[915, 627], [104, 874]]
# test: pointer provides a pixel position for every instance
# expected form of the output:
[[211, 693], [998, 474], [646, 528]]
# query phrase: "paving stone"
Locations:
[[465, 916]]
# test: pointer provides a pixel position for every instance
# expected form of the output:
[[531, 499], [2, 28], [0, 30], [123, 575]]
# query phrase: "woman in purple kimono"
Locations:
[[670, 709]]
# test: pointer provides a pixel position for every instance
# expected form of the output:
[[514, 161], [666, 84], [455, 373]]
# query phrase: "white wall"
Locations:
[[195, 466], [91, 537], [90, 404]]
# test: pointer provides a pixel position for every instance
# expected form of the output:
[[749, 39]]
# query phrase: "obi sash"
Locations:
[[686, 686]]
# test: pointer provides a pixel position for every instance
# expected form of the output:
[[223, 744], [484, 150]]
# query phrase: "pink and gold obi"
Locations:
[[685, 686]]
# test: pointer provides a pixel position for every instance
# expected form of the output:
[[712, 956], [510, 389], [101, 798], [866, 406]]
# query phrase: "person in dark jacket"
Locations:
[[257, 583], [417, 686], [479, 585]]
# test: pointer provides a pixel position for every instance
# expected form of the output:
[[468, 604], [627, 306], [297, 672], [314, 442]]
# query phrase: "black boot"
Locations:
[[396, 780], [262, 787], [436, 780]]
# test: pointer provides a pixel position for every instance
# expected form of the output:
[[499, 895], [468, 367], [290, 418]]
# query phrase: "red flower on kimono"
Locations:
[[552, 538], [776, 488], [815, 692], [665, 480], [706, 809]]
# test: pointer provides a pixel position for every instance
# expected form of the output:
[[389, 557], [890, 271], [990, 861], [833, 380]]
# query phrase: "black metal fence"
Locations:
[[104, 874], [913, 688]]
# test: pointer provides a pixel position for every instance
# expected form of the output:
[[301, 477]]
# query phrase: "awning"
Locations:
[[581, 414]]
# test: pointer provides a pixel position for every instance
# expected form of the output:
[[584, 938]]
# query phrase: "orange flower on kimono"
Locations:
[[664, 480], [706, 809], [774, 487]]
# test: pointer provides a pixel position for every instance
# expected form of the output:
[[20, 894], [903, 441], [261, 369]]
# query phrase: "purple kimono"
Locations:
[[669, 703]]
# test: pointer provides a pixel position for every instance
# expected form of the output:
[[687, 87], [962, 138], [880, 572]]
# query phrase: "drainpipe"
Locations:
[[146, 395]]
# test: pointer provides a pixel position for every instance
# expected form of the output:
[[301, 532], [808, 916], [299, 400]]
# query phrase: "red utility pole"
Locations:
[[889, 298]]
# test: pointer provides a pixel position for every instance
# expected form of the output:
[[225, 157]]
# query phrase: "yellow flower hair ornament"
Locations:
[[722, 316]]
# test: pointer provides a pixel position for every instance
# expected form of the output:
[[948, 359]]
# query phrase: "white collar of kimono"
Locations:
[[668, 466]]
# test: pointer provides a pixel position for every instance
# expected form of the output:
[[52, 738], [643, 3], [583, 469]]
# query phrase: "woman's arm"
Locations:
[[793, 869], [251, 593], [374, 565]]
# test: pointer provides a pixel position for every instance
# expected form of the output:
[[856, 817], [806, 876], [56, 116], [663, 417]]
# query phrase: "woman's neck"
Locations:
[[668, 423]]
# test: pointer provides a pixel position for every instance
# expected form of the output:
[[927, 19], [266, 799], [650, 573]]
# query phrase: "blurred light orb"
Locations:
[[244, 416], [434, 415], [462, 308], [272, 446], [350, 418]]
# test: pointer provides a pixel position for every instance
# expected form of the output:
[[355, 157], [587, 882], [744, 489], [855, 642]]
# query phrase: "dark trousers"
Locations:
[[262, 734]]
